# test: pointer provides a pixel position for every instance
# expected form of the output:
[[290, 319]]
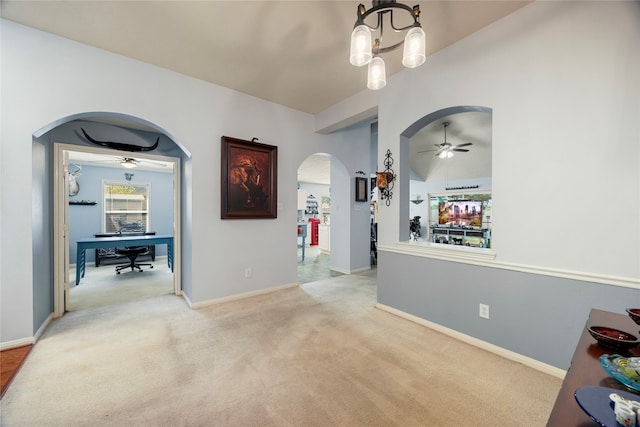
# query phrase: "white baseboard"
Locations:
[[503, 352], [29, 340], [238, 296], [16, 343], [42, 328], [344, 271], [186, 298]]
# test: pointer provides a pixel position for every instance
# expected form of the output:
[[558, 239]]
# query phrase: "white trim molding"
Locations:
[[236, 297], [42, 328], [503, 352], [345, 271], [29, 340], [486, 258], [17, 343]]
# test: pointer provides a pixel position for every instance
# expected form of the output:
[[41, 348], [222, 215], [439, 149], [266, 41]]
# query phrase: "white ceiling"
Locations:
[[315, 169], [473, 127], [294, 53]]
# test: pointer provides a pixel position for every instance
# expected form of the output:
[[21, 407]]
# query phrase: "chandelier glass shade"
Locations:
[[414, 48], [365, 49], [376, 76], [360, 46]]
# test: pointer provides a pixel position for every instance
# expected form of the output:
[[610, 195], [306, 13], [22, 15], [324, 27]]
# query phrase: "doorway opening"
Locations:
[[111, 200], [86, 208], [314, 218]]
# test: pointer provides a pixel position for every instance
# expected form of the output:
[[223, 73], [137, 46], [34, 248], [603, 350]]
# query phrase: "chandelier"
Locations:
[[364, 51]]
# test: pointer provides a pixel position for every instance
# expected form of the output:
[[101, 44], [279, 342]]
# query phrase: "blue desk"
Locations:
[[119, 241]]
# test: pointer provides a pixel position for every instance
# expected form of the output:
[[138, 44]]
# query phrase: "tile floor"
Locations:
[[315, 265]]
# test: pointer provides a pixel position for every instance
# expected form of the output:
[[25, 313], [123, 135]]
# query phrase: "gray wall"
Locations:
[[538, 316], [42, 218]]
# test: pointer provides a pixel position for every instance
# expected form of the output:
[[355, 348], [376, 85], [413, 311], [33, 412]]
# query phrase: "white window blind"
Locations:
[[125, 207]]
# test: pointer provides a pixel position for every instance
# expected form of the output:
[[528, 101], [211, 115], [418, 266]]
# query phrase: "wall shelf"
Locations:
[[82, 202]]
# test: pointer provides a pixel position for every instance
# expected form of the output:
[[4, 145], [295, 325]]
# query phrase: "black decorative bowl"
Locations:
[[613, 338], [634, 313]]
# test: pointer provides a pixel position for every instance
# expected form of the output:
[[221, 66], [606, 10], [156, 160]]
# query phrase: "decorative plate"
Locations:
[[596, 403], [634, 313], [613, 338], [624, 369]]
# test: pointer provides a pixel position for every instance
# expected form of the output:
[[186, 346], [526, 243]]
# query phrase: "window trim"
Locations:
[[444, 252], [106, 182]]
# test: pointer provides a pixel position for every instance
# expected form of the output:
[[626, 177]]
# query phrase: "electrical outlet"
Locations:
[[484, 311], [248, 273]]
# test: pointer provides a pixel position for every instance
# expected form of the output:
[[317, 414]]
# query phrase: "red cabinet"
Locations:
[[314, 231]]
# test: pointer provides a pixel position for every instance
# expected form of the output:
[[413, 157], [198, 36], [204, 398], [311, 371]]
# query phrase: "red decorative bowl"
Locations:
[[613, 338], [634, 313]]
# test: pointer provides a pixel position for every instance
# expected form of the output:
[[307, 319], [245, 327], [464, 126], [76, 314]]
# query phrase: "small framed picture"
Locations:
[[249, 179], [361, 190]]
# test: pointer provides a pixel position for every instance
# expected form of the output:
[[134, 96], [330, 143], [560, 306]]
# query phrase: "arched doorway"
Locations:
[[316, 209], [64, 136]]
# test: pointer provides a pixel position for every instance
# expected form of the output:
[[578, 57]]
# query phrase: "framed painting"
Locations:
[[361, 190], [249, 179]]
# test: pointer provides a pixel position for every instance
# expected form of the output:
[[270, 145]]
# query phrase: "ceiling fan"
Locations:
[[445, 150], [129, 162]]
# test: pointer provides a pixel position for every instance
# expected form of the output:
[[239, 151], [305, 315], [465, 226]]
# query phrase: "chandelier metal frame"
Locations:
[[365, 51], [382, 7]]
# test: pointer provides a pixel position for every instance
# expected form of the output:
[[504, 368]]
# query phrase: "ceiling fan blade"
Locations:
[[466, 144], [462, 150], [152, 162], [102, 161], [426, 151]]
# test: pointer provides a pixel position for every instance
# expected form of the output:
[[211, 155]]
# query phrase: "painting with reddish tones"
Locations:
[[249, 179]]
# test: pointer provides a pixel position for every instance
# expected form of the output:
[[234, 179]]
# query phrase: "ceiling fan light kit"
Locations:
[[364, 51], [129, 163], [445, 150]]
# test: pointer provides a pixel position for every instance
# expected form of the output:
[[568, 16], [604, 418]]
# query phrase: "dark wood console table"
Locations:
[[586, 370]]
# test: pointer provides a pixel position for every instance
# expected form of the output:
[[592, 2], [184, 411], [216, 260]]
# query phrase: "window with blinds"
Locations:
[[125, 207]]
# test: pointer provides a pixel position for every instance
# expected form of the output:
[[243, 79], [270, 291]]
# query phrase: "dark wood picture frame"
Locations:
[[249, 179], [361, 190]]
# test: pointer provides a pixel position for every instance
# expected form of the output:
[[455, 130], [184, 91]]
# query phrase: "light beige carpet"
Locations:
[[316, 355], [101, 286]]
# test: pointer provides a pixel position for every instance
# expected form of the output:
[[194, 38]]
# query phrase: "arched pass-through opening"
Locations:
[[314, 218], [64, 136], [448, 154], [320, 194]]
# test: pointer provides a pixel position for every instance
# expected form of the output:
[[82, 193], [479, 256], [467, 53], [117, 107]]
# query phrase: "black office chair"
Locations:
[[132, 252]]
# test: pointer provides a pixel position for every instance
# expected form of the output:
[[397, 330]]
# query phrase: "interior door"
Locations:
[[65, 230], [60, 230]]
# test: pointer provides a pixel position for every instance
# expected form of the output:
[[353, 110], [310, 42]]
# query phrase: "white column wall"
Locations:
[[564, 88]]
